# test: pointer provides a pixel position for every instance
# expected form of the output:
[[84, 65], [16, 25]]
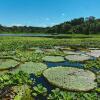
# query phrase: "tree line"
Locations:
[[88, 25]]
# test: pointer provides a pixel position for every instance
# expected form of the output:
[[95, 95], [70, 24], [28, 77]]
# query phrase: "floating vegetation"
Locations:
[[70, 78], [39, 51], [94, 48], [50, 50], [71, 52], [31, 67], [9, 79], [58, 94], [93, 65], [94, 53], [3, 72], [53, 59], [33, 48], [31, 52], [39, 91], [78, 58], [29, 56], [22, 92], [6, 64]]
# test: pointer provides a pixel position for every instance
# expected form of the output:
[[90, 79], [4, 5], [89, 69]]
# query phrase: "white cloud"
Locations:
[[15, 25], [63, 14], [47, 19]]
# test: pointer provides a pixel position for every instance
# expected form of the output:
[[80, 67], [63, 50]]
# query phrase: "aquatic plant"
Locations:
[[93, 65], [94, 53], [77, 58], [7, 64], [39, 90], [53, 59], [29, 56], [70, 78], [31, 67], [58, 94], [22, 92], [19, 78], [71, 52]]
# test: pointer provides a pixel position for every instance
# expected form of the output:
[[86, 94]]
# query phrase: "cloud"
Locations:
[[15, 25], [47, 19], [63, 14]]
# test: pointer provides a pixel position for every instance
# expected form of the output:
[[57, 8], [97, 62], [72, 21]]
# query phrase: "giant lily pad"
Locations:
[[31, 67], [81, 57], [39, 51], [70, 78], [94, 53], [33, 48], [50, 50], [94, 48], [71, 52], [7, 64], [53, 59]]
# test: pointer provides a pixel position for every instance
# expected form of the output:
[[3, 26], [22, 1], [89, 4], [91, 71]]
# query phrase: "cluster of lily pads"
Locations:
[[18, 61]]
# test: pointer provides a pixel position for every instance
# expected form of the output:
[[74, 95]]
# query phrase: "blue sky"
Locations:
[[45, 12]]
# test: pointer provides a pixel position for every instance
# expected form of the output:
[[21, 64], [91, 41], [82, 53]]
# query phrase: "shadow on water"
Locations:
[[43, 81]]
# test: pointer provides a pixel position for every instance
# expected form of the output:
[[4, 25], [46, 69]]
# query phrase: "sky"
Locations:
[[45, 12]]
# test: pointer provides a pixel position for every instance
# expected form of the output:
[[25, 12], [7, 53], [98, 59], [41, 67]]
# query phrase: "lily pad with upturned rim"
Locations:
[[6, 64], [70, 78], [53, 59], [78, 58]]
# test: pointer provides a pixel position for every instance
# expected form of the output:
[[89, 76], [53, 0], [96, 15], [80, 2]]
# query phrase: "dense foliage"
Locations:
[[89, 25], [57, 94], [14, 79], [30, 52], [21, 29]]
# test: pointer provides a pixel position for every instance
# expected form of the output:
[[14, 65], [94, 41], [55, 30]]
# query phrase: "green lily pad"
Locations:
[[71, 52], [7, 64], [94, 53], [39, 51], [31, 67], [53, 59], [70, 78], [77, 57], [50, 50]]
